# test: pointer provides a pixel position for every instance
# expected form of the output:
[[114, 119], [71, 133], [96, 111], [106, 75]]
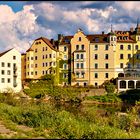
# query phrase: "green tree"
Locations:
[[49, 78]]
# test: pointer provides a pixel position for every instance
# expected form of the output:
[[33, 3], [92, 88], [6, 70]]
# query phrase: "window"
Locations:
[[2, 72], [43, 64], [96, 39], [28, 73], [121, 47], [53, 63], [77, 56], [46, 64], [32, 65], [50, 63], [8, 72], [46, 72], [79, 38], [106, 75], [8, 80], [8, 65], [96, 47], [77, 74], [65, 66], [32, 73], [46, 56], [121, 65], [35, 65], [64, 75], [136, 47], [2, 64], [50, 55], [82, 74], [96, 84], [106, 66], [95, 75], [32, 58], [96, 66], [43, 48], [35, 57], [43, 57], [53, 55], [121, 56], [77, 47], [129, 47], [138, 56], [129, 56], [43, 72], [82, 56], [77, 65], [106, 47], [46, 48], [82, 65], [35, 72], [82, 47], [129, 65], [14, 57], [96, 56], [106, 56], [2, 80], [35, 50], [28, 58], [28, 65], [65, 57], [65, 48], [111, 38]]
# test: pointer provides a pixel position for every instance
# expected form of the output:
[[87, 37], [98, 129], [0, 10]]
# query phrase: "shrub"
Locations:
[[110, 88]]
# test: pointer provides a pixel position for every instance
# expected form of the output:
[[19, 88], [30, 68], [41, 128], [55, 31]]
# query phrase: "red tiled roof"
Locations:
[[47, 41], [29, 50]]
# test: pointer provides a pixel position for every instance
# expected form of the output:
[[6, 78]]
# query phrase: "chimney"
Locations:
[[60, 36], [52, 42], [102, 32], [131, 29]]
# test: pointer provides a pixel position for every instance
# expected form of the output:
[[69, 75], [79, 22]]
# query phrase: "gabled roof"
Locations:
[[47, 41], [1, 54], [29, 50], [66, 40]]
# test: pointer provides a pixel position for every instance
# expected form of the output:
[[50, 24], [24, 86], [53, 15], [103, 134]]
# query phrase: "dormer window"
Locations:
[[79, 39], [66, 40], [96, 39]]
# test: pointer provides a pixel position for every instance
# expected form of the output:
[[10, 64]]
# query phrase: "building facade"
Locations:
[[10, 71], [83, 60]]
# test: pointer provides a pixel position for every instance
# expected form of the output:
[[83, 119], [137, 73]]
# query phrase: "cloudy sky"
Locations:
[[23, 21]]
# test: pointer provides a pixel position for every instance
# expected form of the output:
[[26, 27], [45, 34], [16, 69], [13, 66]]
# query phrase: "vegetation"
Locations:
[[109, 98], [64, 117], [110, 87]]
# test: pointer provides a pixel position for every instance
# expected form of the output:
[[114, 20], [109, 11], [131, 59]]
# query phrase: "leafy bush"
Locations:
[[110, 88]]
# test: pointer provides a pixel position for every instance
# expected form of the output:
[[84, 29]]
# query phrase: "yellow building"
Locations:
[[40, 59], [85, 59]]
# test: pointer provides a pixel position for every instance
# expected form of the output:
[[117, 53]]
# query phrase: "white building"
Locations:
[[10, 70]]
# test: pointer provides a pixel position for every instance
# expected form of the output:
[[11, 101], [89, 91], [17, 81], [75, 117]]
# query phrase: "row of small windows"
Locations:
[[3, 72], [129, 65], [96, 47], [96, 65], [3, 64], [129, 47], [78, 47], [79, 65], [3, 80], [80, 74], [43, 64], [96, 75], [96, 56], [43, 57], [79, 56], [43, 72]]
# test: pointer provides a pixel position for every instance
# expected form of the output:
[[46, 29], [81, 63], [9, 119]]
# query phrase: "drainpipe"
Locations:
[[89, 63]]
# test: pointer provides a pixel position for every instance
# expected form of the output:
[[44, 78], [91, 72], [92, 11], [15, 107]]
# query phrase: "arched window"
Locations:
[[130, 84], [122, 84]]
